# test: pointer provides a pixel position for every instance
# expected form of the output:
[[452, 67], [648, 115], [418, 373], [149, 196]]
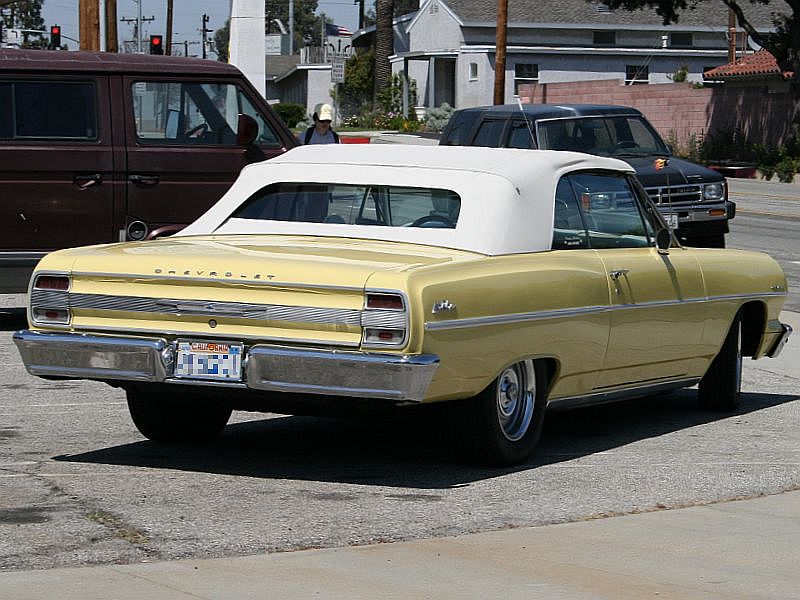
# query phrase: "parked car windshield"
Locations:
[[602, 136], [390, 206]]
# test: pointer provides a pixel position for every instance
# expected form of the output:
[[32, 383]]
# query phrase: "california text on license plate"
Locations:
[[672, 220], [209, 360]]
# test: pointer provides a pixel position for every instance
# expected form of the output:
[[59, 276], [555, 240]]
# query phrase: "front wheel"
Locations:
[[177, 417], [501, 425], [720, 388]]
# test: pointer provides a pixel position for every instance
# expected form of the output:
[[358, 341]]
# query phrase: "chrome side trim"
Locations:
[[398, 377], [580, 311], [621, 394], [225, 280]]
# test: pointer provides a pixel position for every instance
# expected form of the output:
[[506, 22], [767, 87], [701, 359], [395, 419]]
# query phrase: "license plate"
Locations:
[[209, 360], [672, 220]]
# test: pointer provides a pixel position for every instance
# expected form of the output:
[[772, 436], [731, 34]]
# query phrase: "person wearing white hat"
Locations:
[[321, 132]]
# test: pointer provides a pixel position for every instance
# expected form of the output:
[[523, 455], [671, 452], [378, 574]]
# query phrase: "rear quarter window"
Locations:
[[50, 110]]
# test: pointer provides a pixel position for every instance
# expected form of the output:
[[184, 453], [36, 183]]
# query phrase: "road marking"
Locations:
[[760, 195]]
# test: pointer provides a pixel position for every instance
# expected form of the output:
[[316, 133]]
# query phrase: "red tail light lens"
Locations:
[[52, 282], [385, 301]]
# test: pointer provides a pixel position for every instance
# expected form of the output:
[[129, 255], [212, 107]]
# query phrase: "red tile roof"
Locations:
[[751, 66]]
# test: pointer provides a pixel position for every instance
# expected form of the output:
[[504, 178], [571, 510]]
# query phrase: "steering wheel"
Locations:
[[197, 131], [424, 220], [624, 144]]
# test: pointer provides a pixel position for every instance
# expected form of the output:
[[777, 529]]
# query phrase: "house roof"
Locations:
[[751, 66], [572, 12], [280, 64]]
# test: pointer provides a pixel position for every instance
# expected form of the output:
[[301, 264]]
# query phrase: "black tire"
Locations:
[[720, 388], [179, 417], [501, 425]]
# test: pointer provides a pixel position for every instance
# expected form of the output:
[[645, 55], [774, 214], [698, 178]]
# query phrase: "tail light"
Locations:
[[49, 299], [384, 320]]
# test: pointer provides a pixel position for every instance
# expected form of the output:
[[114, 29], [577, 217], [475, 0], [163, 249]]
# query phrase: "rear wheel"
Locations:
[[176, 417], [501, 425], [720, 388]]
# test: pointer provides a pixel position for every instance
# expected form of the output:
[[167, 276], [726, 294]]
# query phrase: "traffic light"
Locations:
[[55, 36], [156, 44]]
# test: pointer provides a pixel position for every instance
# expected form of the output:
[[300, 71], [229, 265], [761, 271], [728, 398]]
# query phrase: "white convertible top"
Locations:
[[506, 194]]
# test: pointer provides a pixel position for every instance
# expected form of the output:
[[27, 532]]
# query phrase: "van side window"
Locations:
[[192, 113], [48, 110]]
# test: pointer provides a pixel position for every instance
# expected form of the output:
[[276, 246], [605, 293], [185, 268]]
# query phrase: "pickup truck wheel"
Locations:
[[720, 388], [178, 417], [501, 425]]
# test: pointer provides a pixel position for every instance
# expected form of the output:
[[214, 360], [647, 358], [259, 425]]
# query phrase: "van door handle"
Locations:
[[144, 179], [87, 181]]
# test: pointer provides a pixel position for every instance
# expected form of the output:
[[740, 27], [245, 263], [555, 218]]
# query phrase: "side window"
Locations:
[[193, 113], [48, 110], [521, 136], [489, 133], [266, 136], [458, 128], [569, 232], [611, 212]]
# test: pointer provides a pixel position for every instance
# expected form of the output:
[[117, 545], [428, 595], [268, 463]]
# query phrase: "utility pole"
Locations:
[[205, 31], [291, 27], [360, 13], [89, 25], [731, 37], [137, 29], [112, 40], [500, 52], [169, 28]]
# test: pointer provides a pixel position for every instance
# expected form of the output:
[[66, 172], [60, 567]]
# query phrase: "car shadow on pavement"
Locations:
[[414, 450]]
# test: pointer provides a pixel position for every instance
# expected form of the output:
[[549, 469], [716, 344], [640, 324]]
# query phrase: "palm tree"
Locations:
[[384, 44]]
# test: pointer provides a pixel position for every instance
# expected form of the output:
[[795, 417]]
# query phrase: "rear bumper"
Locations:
[[777, 347], [398, 377]]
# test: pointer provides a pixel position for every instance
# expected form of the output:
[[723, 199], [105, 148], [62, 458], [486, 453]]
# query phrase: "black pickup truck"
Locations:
[[693, 199]]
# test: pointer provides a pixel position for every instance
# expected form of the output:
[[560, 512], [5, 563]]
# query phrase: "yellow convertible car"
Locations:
[[500, 281]]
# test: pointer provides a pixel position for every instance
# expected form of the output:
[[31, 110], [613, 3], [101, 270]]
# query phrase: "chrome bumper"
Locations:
[[276, 368], [778, 346]]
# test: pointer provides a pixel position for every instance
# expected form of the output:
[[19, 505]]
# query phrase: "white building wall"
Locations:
[[434, 28]]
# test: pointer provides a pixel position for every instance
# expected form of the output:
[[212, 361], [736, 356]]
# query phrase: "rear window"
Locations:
[[48, 110], [390, 206]]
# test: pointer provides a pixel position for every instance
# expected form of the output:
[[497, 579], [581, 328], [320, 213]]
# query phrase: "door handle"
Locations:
[[87, 181], [616, 275], [144, 179]]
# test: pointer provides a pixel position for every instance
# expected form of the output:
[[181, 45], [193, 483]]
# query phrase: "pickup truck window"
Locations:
[[48, 110], [354, 205], [603, 136]]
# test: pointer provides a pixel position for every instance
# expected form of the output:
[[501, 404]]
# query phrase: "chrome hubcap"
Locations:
[[516, 395]]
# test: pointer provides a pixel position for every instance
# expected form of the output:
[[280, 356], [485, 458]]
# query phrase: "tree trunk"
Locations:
[[384, 44]]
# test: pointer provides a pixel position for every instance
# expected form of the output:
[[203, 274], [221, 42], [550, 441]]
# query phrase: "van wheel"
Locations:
[[176, 417], [501, 425], [720, 388]]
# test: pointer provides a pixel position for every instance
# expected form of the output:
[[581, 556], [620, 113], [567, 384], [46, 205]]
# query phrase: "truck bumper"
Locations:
[[398, 377]]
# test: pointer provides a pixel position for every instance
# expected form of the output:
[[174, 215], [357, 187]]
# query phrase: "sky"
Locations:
[[186, 19]]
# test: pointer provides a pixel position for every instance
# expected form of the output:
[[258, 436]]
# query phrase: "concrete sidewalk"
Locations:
[[740, 549]]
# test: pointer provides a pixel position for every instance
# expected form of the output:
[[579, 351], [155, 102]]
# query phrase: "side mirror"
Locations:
[[663, 240], [246, 131]]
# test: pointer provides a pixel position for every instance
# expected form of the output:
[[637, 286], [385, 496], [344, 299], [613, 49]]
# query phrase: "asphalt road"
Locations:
[[80, 486]]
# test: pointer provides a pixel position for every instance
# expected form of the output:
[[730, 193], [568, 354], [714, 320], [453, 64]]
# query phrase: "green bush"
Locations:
[[438, 117], [787, 168], [291, 113]]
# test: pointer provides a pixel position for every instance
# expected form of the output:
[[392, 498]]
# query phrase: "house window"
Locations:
[[473, 71], [680, 40], [636, 74], [605, 38], [525, 73]]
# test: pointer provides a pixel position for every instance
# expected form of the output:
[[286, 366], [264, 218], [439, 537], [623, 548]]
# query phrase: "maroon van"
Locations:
[[98, 147]]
